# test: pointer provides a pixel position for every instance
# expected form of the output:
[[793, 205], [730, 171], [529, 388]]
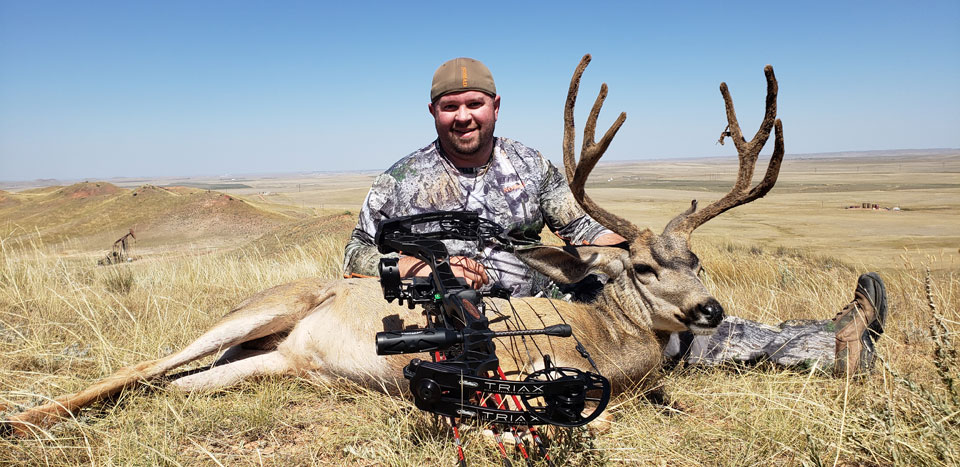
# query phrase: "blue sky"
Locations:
[[91, 90]]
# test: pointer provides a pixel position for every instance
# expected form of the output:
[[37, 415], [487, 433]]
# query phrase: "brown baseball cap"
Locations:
[[462, 74]]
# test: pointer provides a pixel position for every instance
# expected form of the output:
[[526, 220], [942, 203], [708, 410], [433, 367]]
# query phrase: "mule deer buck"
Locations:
[[320, 329]]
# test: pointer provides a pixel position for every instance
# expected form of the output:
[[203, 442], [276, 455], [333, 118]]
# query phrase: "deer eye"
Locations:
[[696, 266], [643, 270]]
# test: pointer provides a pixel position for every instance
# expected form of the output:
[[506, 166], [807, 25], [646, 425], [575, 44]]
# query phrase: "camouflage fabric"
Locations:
[[798, 344], [519, 189], [841, 345]]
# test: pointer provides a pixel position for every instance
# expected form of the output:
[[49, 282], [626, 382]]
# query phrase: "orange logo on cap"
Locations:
[[463, 72]]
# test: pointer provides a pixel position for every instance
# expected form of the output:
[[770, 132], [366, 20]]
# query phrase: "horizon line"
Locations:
[[55, 181]]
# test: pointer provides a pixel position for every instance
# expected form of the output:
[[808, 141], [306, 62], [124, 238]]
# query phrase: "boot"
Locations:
[[859, 325]]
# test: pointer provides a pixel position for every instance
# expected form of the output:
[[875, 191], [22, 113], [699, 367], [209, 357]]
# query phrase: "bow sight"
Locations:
[[459, 333]]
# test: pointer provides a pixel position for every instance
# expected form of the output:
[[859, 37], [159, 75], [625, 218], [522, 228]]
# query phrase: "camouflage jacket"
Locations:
[[519, 189]]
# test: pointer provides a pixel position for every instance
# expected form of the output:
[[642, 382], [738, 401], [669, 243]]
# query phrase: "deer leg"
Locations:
[[265, 314], [47, 414], [254, 363]]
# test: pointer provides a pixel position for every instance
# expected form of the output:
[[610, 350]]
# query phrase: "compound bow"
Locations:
[[455, 383]]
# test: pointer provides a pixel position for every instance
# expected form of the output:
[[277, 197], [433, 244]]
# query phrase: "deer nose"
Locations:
[[711, 312]]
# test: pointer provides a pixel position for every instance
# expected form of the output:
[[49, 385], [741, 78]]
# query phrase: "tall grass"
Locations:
[[65, 322]]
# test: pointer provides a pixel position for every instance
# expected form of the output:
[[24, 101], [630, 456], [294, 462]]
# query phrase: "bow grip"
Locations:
[[420, 340]]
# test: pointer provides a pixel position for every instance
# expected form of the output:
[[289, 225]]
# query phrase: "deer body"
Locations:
[[334, 340], [320, 329], [324, 329]]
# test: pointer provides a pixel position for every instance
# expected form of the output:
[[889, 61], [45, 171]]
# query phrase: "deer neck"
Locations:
[[612, 328], [624, 349], [624, 313]]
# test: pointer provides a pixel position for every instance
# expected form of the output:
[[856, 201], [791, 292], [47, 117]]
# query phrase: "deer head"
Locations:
[[654, 282]]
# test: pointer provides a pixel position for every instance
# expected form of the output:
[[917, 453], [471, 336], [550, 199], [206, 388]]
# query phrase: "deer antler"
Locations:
[[748, 152], [591, 152]]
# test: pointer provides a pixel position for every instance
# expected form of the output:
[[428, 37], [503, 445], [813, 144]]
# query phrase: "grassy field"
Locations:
[[796, 254]]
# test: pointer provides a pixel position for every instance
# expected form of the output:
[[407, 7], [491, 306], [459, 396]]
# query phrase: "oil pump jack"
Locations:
[[118, 253]]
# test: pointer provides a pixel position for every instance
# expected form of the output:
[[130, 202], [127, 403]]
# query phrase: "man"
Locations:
[[468, 168]]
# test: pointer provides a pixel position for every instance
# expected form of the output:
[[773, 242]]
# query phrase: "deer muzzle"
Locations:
[[706, 316]]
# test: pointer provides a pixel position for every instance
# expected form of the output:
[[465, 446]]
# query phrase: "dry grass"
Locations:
[[64, 323]]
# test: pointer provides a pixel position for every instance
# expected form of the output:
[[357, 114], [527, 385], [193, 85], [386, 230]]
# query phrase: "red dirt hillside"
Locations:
[[88, 189], [8, 199], [96, 213]]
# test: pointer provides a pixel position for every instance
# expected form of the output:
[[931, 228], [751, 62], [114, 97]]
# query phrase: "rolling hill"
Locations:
[[91, 215]]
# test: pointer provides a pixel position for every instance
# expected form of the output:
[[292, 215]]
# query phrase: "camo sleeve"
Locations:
[[361, 255], [562, 213]]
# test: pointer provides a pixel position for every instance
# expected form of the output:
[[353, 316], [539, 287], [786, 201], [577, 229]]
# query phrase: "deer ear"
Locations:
[[571, 264]]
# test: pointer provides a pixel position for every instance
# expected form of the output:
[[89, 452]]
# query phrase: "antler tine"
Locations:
[[771, 112], [577, 172], [591, 151], [569, 131], [773, 169], [748, 152]]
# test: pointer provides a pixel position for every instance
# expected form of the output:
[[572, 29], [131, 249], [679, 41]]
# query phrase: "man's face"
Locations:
[[465, 122]]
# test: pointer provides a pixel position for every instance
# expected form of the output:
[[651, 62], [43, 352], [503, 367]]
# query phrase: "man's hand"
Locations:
[[609, 239], [473, 272]]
